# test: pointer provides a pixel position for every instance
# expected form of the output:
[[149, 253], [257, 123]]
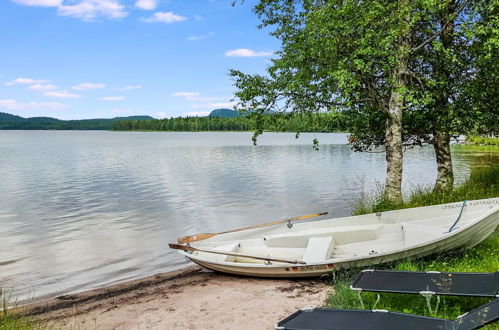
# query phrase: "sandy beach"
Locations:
[[191, 298]]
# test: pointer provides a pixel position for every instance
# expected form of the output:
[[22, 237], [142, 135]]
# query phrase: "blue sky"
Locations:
[[73, 59]]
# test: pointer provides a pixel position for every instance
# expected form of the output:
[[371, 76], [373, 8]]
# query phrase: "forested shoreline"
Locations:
[[280, 122], [13, 122]]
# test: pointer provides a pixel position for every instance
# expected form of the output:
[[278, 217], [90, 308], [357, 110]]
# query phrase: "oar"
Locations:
[[200, 237], [190, 248]]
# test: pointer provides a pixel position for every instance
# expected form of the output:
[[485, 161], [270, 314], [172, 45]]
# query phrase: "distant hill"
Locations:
[[224, 113], [9, 121]]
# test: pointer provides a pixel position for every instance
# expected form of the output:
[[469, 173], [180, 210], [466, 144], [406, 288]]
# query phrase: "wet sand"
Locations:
[[191, 298]]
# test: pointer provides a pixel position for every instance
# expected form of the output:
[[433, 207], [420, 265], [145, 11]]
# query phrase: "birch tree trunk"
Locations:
[[393, 136], [445, 176], [445, 173], [393, 144]]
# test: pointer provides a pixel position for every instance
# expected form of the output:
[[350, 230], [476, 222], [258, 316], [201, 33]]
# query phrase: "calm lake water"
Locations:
[[84, 209]]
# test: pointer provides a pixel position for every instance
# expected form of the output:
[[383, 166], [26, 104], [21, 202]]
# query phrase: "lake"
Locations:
[[84, 209]]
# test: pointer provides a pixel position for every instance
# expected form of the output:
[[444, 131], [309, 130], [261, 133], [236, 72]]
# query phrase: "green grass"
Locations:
[[482, 258], [18, 323], [483, 183], [482, 141], [11, 321]]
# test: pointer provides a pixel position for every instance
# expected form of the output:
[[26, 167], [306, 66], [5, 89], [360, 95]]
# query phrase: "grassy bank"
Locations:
[[10, 321], [18, 323], [482, 141], [483, 183]]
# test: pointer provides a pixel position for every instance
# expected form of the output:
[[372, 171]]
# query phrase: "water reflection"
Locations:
[[80, 210]]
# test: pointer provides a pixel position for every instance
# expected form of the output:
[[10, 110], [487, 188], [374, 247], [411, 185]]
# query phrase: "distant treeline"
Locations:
[[279, 122], [8, 121]]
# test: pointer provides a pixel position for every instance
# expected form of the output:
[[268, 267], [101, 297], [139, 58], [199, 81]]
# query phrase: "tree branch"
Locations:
[[439, 32]]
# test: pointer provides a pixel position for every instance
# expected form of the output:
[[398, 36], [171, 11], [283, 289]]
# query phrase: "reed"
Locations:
[[482, 183], [14, 321]]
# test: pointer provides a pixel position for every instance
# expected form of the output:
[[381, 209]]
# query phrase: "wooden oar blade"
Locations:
[[193, 238]]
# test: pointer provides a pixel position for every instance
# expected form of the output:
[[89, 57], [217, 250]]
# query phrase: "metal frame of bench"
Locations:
[[354, 319]]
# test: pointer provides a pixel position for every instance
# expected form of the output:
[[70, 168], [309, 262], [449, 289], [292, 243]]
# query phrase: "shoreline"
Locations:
[[189, 298]]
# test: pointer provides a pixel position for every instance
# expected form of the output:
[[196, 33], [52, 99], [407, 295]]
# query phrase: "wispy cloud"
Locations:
[[186, 94], [42, 87], [26, 81], [197, 114], [195, 96], [210, 105], [62, 95], [86, 10], [41, 3], [146, 4], [244, 52], [13, 105], [164, 17], [160, 115], [127, 88], [112, 98], [89, 10], [201, 37], [88, 86]]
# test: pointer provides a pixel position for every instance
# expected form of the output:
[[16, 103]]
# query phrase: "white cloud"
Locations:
[[127, 88], [201, 37], [146, 4], [244, 52], [210, 105], [197, 114], [112, 98], [186, 94], [164, 17], [160, 115], [89, 10], [88, 86], [26, 81], [195, 96], [62, 95], [42, 87], [42, 3], [13, 105]]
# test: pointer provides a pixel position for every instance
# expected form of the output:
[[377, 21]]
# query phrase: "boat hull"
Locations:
[[465, 237]]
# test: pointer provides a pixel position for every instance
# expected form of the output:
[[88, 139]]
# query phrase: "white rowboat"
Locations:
[[318, 247]]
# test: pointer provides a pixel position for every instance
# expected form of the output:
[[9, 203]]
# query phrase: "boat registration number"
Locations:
[[312, 268]]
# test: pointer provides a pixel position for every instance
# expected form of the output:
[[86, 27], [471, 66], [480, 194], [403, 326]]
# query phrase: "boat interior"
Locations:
[[334, 239]]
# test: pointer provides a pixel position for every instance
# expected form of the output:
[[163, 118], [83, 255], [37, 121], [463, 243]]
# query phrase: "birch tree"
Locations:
[[403, 72]]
